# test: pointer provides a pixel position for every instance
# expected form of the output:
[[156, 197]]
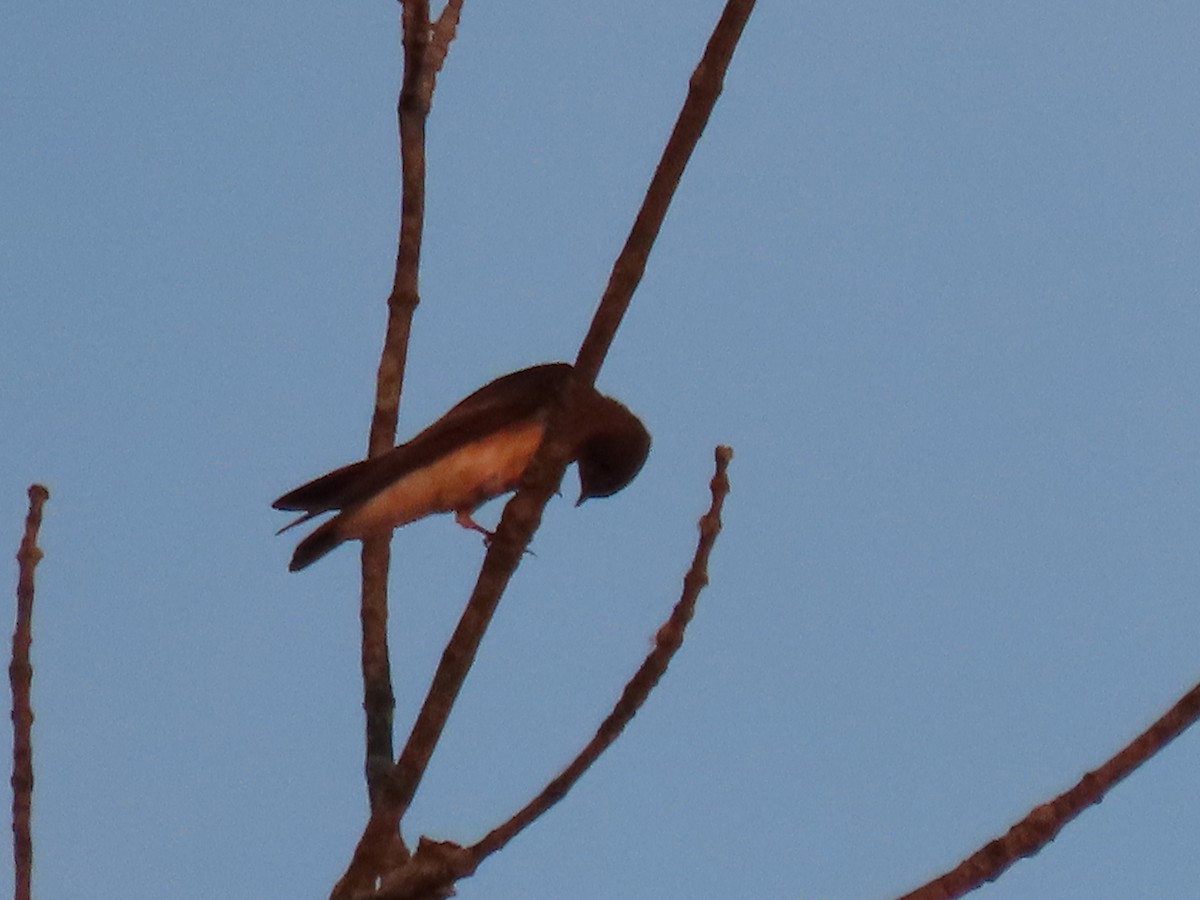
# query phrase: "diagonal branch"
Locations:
[[666, 642], [703, 89], [438, 865], [1043, 823], [523, 513], [444, 31], [20, 676]]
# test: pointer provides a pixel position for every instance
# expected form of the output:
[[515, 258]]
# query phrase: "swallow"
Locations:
[[475, 452]]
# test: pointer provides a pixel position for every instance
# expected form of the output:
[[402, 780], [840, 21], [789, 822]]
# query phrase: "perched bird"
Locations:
[[476, 451]]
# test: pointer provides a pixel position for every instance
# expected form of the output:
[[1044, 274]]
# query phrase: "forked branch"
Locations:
[[375, 854]]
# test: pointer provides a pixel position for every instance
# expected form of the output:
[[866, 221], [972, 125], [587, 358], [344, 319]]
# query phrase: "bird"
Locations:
[[475, 452]]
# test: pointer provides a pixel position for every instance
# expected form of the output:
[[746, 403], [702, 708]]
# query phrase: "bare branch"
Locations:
[[1044, 822], [668, 639], [412, 110], [703, 90], [422, 60], [443, 33], [20, 676], [522, 514], [437, 865]]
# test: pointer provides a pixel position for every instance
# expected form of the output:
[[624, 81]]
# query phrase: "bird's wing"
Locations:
[[507, 400], [510, 397]]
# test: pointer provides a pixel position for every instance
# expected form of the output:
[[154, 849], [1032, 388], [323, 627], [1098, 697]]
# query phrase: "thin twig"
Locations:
[[1043, 823], [443, 33], [412, 109], [666, 642], [20, 676]]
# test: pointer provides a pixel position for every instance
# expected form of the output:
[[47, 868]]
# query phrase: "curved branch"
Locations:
[[437, 865], [667, 640]]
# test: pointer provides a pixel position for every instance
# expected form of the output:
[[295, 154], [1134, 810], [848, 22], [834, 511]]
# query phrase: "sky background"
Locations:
[[933, 273]]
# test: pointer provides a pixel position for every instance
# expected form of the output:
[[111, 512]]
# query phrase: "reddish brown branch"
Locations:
[[523, 513], [20, 677], [438, 865], [666, 642], [431, 875], [424, 52], [412, 110], [1044, 822], [443, 33], [703, 90]]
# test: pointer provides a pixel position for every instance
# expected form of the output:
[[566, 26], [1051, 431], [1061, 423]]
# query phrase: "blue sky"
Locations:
[[933, 273]]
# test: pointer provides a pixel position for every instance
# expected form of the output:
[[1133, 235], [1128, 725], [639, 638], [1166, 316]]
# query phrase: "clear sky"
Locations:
[[933, 273]]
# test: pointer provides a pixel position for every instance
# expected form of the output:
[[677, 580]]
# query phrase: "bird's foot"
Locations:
[[464, 519]]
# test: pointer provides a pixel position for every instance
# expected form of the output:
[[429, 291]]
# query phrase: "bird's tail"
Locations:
[[316, 545]]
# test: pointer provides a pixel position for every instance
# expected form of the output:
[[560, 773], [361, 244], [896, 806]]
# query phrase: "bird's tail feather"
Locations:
[[300, 521], [316, 545]]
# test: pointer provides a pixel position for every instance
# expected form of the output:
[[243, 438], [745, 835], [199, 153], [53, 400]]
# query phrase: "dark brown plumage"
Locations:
[[476, 451]]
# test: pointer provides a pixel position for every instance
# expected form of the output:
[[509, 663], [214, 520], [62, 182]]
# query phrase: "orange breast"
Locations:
[[461, 480]]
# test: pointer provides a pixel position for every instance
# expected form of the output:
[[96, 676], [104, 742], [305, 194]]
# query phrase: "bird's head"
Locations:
[[613, 453]]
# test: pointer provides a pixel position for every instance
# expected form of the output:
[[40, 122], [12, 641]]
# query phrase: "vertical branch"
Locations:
[[412, 110], [20, 676]]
